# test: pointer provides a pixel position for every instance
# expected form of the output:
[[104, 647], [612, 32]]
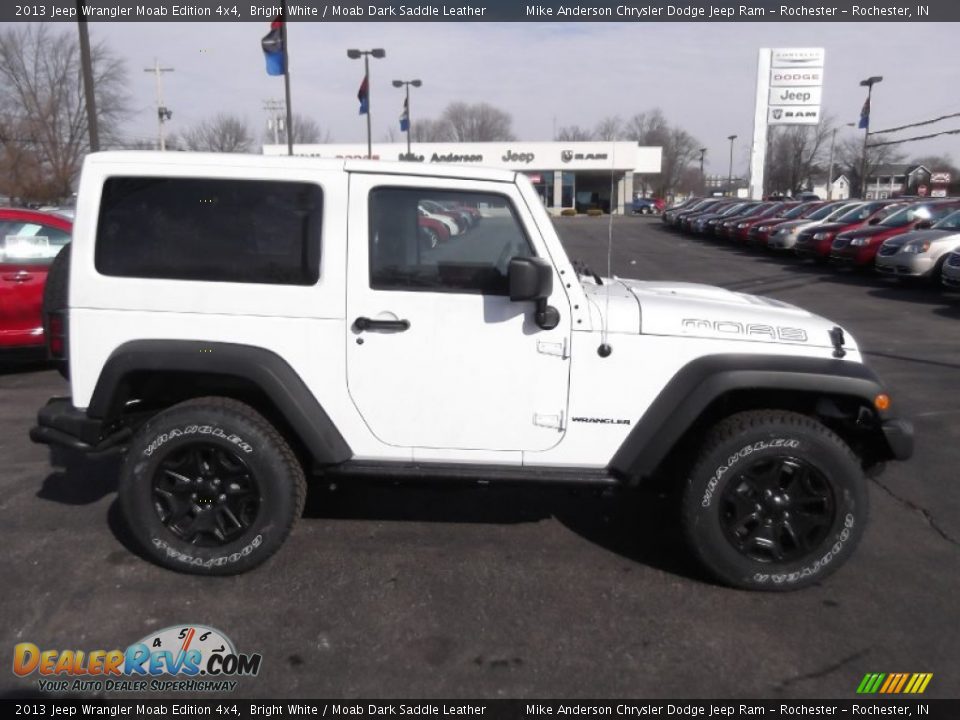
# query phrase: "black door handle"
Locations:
[[365, 323]]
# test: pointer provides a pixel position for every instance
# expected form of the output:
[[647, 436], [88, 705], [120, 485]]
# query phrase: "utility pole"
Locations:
[[731, 138], [833, 142], [865, 124], [87, 71], [276, 110], [163, 114]]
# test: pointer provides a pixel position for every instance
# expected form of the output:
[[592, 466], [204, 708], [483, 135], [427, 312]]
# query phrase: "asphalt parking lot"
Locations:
[[499, 592]]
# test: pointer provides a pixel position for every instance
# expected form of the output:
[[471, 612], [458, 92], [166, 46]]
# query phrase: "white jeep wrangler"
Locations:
[[235, 323]]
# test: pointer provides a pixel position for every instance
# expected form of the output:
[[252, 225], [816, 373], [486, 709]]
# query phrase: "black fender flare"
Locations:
[[702, 381], [264, 368]]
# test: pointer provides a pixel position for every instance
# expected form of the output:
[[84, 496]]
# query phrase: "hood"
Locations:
[[931, 235], [703, 311], [872, 230], [797, 225], [837, 226]]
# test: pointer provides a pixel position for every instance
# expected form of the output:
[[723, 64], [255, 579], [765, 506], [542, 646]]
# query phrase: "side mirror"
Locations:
[[923, 225], [532, 279]]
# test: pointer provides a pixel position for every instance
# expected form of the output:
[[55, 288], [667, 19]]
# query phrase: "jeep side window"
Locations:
[[443, 241], [243, 231]]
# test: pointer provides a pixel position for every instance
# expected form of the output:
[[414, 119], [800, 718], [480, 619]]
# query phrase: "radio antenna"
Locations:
[[604, 350]]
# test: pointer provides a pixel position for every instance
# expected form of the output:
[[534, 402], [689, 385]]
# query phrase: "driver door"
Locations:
[[438, 357]]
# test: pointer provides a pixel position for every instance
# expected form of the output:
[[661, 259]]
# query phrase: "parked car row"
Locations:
[[900, 237]]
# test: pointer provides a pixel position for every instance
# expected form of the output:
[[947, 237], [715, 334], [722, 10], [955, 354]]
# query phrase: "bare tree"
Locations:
[[850, 156], [574, 133], [480, 122], [679, 149], [427, 130], [43, 121], [610, 128], [225, 133], [306, 131], [795, 155]]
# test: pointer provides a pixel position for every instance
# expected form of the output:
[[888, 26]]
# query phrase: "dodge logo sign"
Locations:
[[566, 155]]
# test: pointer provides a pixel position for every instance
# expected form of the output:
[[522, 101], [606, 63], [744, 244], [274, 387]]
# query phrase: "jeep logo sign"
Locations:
[[795, 96], [511, 156]]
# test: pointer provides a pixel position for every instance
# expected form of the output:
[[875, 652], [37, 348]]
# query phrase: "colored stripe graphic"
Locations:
[[894, 683]]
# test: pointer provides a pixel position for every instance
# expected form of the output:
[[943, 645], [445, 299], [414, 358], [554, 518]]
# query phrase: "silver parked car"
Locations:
[[786, 233], [920, 253]]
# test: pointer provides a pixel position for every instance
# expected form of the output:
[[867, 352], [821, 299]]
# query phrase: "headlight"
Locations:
[[740, 226], [860, 241], [916, 248], [763, 228], [821, 236]]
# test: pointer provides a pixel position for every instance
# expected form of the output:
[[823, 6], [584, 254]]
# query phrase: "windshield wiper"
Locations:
[[582, 268]]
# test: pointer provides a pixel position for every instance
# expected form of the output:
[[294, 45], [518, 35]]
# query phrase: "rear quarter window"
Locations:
[[242, 231]]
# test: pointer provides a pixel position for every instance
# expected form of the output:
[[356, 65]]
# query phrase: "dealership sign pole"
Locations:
[[789, 90]]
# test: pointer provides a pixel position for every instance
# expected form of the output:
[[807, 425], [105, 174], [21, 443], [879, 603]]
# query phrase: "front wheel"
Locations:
[[210, 487], [775, 501]]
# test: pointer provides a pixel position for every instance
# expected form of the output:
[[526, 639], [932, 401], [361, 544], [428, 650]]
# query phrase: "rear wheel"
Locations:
[[210, 487], [775, 501]]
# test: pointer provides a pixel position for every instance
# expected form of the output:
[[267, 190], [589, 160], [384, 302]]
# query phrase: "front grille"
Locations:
[[840, 243], [954, 260], [887, 250]]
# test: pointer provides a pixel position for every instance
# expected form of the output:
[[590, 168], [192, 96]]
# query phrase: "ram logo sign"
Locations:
[[747, 331]]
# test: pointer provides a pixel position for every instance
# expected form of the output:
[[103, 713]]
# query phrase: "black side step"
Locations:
[[470, 473]]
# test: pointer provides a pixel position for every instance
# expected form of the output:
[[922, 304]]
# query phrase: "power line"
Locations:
[[918, 137], [917, 124]]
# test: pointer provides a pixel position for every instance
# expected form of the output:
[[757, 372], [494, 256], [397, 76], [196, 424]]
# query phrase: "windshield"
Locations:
[[796, 212], [907, 215], [733, 209], [859, 213], [823, 212], [30, 243], [950, 222], [838, 211]]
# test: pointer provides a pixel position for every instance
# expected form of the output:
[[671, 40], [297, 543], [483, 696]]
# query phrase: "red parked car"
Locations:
[[29, 240], [859, 247], [815, 243], [739, 229]]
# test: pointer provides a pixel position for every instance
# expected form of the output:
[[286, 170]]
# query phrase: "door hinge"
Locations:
[[549, 421], [553, 348]]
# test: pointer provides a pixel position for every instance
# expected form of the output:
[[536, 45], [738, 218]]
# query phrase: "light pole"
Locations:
[[163, 113], [731, 138], [353, 55], [865, 123], [406, 106]]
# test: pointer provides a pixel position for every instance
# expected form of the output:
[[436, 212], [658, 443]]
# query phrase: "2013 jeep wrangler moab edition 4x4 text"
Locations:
[[235, 323]]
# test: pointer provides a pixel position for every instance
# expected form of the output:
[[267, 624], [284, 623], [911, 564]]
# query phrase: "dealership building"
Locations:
[[576, 175]]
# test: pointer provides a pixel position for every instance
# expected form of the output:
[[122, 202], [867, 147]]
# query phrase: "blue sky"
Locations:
[[702, 75]]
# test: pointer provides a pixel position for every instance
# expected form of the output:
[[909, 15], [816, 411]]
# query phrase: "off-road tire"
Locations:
[[718, 482], [219, 425], [56, 297]]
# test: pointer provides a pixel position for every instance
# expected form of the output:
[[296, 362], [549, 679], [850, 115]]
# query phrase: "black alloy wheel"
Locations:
[[205, 494], [777, 509]]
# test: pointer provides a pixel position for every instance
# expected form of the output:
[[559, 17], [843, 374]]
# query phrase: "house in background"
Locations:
[[839, 188], [893, 180]]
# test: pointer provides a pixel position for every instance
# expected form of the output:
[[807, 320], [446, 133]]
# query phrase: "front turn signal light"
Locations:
[[881, 402]]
